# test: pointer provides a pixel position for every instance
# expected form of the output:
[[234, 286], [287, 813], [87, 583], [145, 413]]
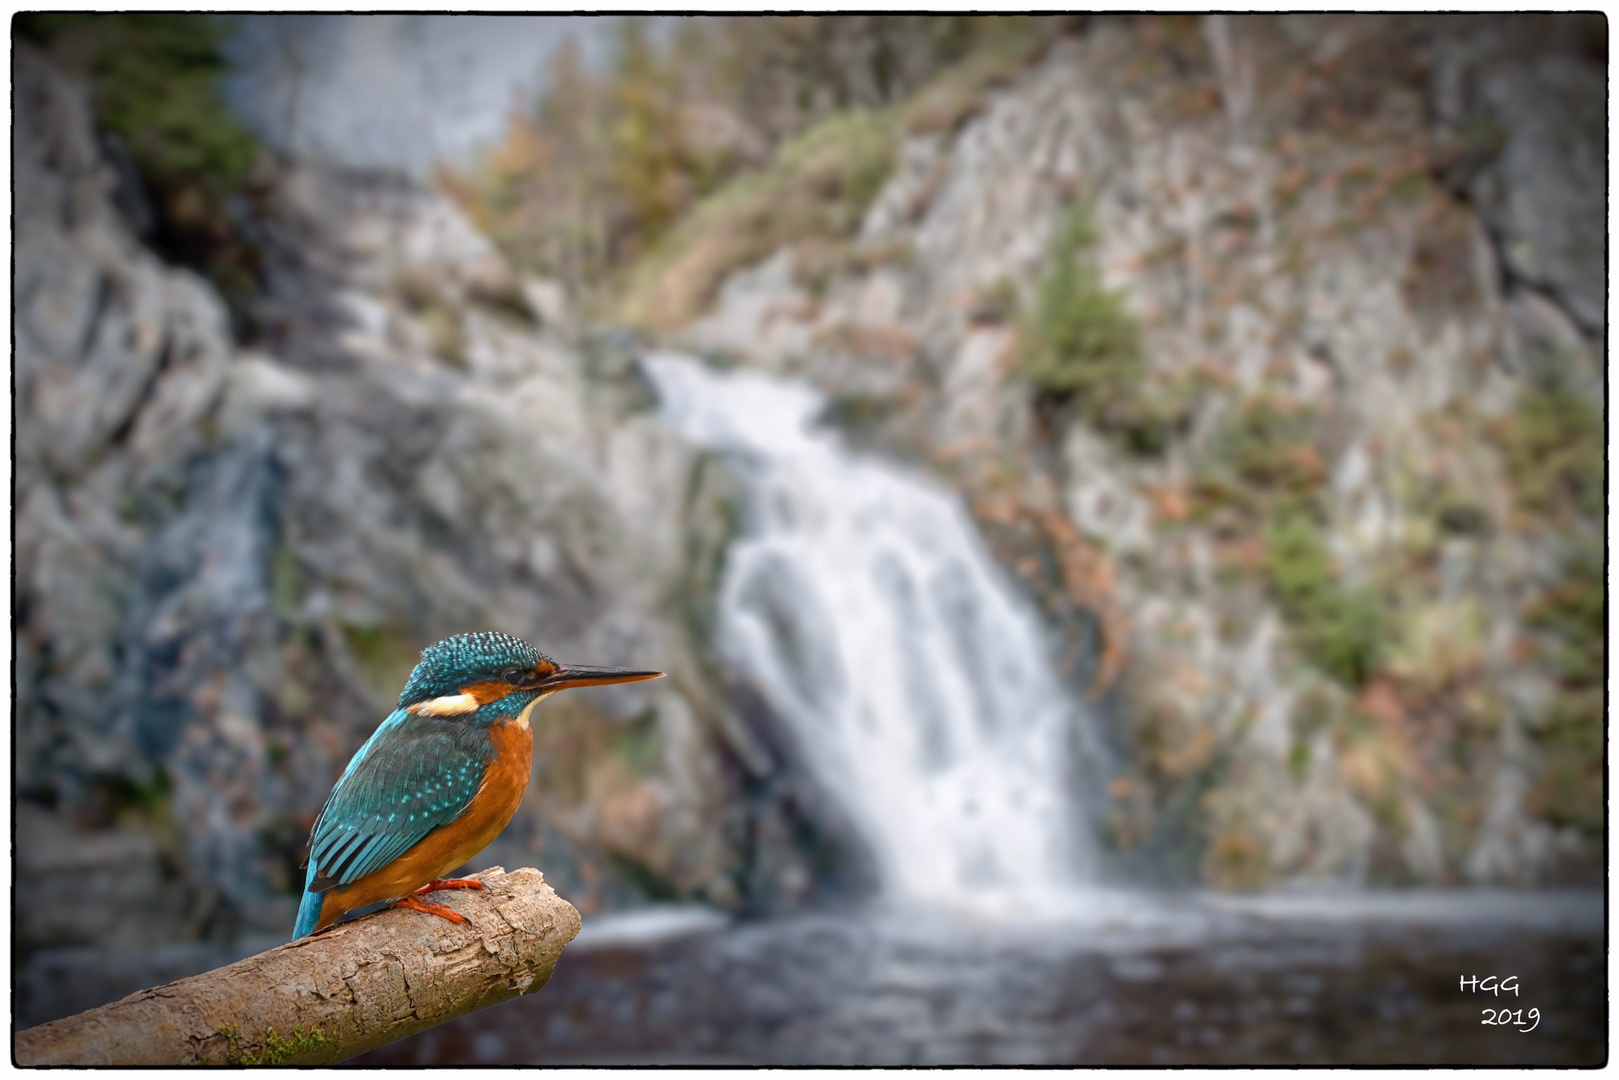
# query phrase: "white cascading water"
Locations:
[[861, 602]]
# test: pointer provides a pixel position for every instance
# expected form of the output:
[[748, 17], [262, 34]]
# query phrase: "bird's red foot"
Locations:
[[449, 883], [432, 909]]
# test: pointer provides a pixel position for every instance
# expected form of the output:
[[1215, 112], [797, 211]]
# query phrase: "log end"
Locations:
[[333, 995]]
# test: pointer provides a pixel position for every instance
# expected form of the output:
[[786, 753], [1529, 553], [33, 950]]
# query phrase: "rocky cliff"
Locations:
[[1269, 350], [228, 557]]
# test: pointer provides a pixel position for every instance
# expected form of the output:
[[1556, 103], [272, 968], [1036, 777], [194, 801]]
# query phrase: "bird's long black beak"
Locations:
[[572, 675]]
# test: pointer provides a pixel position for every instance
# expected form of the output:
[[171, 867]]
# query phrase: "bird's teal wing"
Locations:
[[414, 774]]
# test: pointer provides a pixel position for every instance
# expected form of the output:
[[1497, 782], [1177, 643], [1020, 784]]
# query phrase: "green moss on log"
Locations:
[[275, 1050]]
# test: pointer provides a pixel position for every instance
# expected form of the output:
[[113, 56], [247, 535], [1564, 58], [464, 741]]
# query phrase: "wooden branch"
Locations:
[[342, 992]]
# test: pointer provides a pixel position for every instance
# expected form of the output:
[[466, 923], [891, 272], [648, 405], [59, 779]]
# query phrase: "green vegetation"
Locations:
[[1554, 452], [1008, 45], [277, 1051], [1081, 339], [590, 185], [446, 336], [287, 586], [1339, 630], [155, 82], [1235, 861], [1082, 347], [1458, 515], [818, 261], [1298, 760], [644, 879], [156, 79], [996, 303], [1573, 613], [1262, 475], [816, 187], [1262, 464], [640, 742], [440, 317], [504, 298], [144, 793], [1573, 616], [713, 512], [1570, 790], [385, 657], [1440, 646], [1442, 275], [1268, 446]]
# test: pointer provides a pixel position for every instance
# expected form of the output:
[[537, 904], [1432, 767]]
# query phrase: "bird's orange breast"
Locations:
[[448, 846]]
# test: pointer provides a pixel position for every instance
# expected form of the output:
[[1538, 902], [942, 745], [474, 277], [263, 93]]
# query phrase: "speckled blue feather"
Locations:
[[414, 774], [455, 662]]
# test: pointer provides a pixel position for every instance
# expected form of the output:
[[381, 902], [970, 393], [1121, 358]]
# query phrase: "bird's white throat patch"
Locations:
[[522, 717], [449, 705]]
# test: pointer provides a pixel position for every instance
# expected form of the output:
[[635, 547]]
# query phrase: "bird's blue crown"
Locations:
[[459, 661]]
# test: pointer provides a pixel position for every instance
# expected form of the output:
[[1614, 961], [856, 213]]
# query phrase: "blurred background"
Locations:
[[1120, 500]]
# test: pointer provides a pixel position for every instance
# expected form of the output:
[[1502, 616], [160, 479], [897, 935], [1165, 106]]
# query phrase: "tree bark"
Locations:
[[339, 993]]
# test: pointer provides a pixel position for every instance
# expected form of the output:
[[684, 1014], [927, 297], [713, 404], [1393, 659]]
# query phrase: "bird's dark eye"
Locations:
[[514, 675]]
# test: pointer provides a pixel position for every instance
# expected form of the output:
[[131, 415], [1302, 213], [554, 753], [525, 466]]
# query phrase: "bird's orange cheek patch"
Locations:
[[469, 699], [485, 693]]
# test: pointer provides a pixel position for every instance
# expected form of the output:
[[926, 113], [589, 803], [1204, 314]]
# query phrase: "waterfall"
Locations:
[[863, 605]]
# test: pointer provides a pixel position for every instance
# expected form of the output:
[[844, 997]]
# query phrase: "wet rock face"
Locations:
[[1530, 102], [1355, 253], [229, 558], [141, 521]]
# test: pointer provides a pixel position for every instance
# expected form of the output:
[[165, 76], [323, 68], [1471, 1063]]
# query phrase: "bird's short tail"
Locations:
[[309, 909]]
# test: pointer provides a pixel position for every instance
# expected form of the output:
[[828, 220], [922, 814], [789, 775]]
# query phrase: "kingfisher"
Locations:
[[439, 778]]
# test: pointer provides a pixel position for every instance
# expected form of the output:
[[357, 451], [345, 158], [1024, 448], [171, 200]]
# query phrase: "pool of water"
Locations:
[[1113, 979]]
